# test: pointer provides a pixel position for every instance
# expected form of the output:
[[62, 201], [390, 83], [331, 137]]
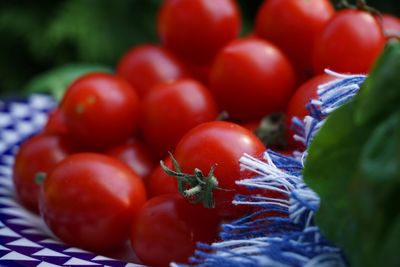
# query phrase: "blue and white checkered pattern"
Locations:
[[24, 239]]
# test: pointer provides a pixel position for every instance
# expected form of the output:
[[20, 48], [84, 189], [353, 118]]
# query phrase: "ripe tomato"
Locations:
[[297, 104], [197, 29], [251, 78], [160, 183], [90, 200], [39, 154], [168, 227], [391, 26], [146, 65], [220, 143], [56, 123], [293, 25], [171, 109], [100, 110], [135, 155], [350, 42]]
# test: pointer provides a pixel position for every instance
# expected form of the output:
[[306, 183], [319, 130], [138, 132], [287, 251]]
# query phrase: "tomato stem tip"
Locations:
[[196, 187]]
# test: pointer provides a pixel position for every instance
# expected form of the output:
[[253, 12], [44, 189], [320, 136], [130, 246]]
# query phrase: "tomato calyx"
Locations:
[[195, 187], [271, 131], [363, 6], [40, 177]]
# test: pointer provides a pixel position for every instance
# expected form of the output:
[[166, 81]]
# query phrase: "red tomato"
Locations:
[[136, 155], [220, 143], [350, 42], [251, 78], [297, 104], [160, 183], [391, 26], [293, 26], [90, 200], [100, 110], [56, 123], [167, 229], [37, 155], [146, 65], [171, 109], [197, 29]]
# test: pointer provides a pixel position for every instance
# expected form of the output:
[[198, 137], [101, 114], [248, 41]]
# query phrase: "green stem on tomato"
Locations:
[[196, 187]]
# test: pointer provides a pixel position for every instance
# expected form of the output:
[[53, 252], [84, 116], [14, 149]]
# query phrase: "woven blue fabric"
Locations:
[[260, 239]]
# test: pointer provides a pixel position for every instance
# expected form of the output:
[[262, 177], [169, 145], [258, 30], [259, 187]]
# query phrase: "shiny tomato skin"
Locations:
[[38, 154], [197, 29], [56, 123], [146, 65], [349, 43], [391, 25], [171, 109], [136, 155], [293, 26], [251, 78], [221, 143], [90, 200], [159, 182], [100, 110], [168, 226], [297, 104]]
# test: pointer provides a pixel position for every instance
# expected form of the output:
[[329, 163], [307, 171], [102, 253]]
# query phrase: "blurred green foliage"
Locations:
[[37, 36]]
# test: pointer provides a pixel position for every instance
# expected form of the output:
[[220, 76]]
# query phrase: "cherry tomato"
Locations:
[[37, 155], [251, 78], [293, 26], [160, 183], [90, 200], [100, 110], [297, 104], [167, 229], [136, 155], [146, 65], [171, 109], [197, 29], [220, 143], [56, 123], [391, 26], [350, 43]]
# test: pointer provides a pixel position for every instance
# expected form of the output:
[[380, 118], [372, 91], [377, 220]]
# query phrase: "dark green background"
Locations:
[[38, 35]]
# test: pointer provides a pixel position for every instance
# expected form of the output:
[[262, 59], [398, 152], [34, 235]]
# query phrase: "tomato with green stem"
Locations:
[[90, 201], [207, 157]]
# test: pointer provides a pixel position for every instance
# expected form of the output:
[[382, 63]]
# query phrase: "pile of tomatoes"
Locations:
[[93, 174]]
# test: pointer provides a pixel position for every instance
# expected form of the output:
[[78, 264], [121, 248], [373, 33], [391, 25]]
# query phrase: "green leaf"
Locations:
[[354, 166], [57, 80], [380, 94], [381, 154]]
